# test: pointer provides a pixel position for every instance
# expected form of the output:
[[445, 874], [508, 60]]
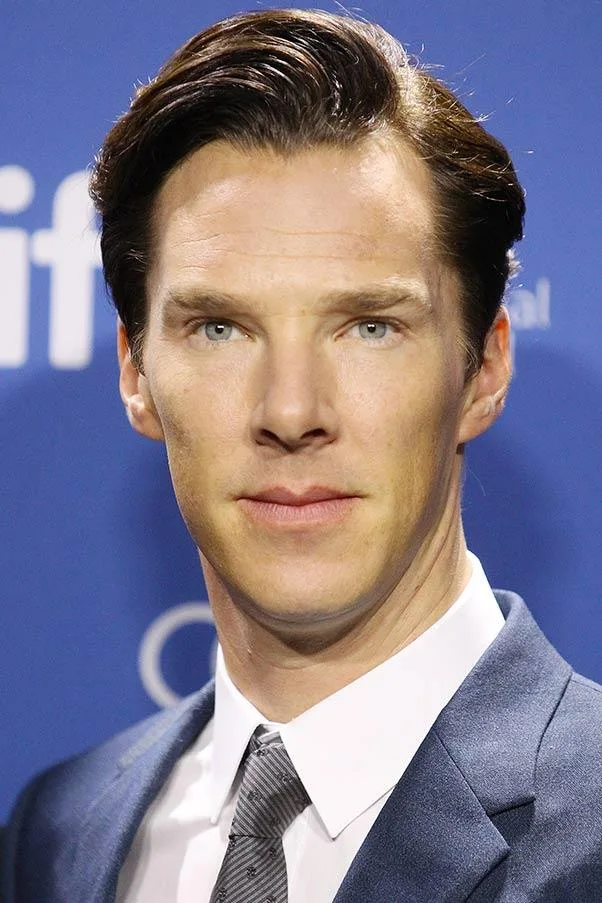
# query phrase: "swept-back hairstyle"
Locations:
[[291, 80]]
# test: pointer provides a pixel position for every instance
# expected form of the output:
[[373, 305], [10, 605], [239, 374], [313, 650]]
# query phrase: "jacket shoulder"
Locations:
[[45, 823], [72, 783]]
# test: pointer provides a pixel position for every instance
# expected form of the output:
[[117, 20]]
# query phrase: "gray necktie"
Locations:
[[271, 795]]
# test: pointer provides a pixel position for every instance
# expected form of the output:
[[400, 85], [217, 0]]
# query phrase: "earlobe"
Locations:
[[487, 391], [135, 392]]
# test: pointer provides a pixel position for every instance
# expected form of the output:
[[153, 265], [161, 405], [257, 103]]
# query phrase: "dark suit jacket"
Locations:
[[502, 802]]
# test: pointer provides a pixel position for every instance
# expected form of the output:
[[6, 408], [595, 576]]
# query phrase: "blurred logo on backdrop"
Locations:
[[151, 653], [529, 309], [69, 249]]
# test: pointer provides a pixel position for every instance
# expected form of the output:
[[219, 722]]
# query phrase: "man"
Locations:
[[307, 240]]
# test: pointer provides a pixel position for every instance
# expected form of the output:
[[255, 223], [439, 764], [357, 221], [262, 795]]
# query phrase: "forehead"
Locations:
[[244, 220]]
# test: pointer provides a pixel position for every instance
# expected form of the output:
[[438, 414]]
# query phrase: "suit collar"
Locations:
[[436, 837], [493, 726], [431, 841]]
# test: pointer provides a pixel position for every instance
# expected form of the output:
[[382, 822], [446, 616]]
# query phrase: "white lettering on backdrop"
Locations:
[[70, 250]]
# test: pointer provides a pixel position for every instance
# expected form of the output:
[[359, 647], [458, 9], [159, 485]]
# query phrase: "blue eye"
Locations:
[[217, 330], [373, 329]]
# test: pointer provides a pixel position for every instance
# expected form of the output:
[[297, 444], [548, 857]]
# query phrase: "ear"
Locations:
[[135, 392], [486, 392]]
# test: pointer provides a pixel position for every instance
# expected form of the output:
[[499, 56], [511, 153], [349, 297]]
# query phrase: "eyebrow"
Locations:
[[366, 300]]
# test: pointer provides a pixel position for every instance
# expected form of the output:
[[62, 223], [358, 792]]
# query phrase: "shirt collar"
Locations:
[[353, 746], [234, 723]]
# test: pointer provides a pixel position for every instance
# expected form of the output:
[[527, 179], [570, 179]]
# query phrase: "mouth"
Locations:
[[279, 506]]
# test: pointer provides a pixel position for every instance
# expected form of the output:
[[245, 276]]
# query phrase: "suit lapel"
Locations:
[[436, 839], [493, 726], [431, 841], [115, 816]]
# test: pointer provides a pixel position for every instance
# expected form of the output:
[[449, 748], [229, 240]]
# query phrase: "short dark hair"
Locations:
[[289, 80]]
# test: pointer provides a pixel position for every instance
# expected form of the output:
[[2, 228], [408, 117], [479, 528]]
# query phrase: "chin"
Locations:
[[297, 598], [305, 614]]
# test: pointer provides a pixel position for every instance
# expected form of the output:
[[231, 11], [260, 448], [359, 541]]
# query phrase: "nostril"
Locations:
[[291, 442]]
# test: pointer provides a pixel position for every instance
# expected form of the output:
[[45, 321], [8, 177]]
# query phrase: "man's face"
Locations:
[[303, 362]]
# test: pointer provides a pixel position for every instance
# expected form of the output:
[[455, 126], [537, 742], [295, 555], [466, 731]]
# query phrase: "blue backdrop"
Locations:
[[103, 613]]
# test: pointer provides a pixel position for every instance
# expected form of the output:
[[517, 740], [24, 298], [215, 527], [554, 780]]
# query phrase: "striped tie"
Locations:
[[271, 796]]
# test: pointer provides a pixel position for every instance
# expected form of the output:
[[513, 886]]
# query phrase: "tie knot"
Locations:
[[271, 793]]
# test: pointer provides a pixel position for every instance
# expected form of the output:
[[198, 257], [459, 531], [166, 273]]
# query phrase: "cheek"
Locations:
[[201, 408], [409, 437], [400, 399]]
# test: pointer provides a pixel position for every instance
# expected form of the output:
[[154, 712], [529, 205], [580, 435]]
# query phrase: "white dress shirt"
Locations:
[[349, 750]]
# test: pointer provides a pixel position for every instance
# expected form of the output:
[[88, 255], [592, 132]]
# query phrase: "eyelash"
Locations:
[[395, 327], [215, 322], [391, 325]]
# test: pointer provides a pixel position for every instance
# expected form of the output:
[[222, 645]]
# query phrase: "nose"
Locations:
[[295, 406]]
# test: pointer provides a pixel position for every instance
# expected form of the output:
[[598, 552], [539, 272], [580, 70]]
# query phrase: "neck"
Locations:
[[283, 678]]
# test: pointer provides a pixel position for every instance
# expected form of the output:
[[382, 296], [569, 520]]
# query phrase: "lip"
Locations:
[[281, 507], [280, 495]]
